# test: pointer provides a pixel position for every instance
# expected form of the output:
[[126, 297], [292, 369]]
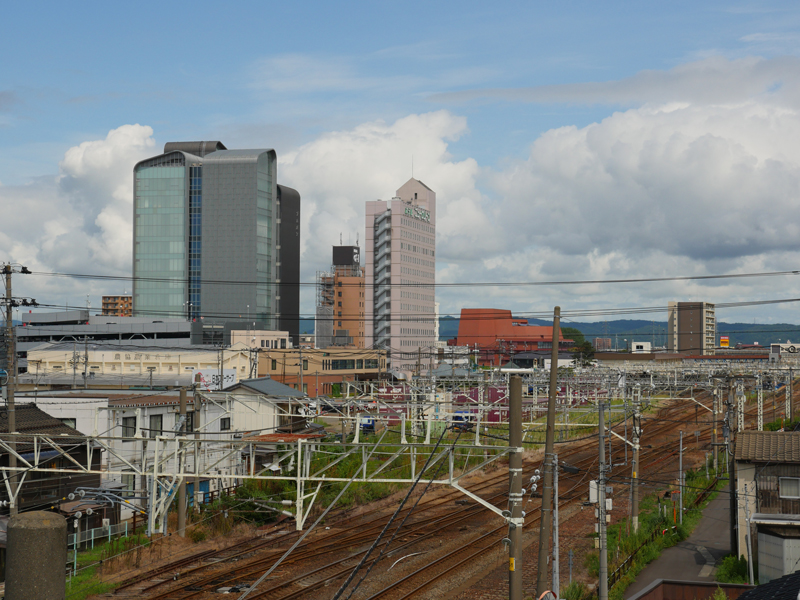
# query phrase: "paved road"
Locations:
[[693, 559]]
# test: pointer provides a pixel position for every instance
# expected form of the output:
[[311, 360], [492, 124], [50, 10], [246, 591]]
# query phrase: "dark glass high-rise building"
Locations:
[[215, 237]]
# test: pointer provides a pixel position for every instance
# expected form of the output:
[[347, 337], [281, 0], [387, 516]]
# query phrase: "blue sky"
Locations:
[[482, 95]]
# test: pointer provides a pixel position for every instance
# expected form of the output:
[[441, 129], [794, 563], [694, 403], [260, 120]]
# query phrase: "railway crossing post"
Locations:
[[547, 491], [515, 489]]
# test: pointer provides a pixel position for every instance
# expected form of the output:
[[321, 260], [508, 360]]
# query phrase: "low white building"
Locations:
[[137, 425]]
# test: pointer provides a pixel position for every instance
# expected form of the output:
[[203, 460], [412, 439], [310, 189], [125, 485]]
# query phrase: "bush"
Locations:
[[733, 570], [575, 591], [719, 594], [196, 534]]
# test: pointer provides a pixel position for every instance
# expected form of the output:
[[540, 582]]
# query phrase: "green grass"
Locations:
[[87, 581]]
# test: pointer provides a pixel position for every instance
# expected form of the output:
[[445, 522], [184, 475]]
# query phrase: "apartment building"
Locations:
[[117, 306], [691, 327]]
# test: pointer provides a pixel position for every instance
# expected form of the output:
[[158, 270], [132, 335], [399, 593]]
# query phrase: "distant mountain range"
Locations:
[[639, 330]]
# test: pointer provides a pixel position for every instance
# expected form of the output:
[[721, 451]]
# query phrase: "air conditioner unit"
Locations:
[[106, 523]]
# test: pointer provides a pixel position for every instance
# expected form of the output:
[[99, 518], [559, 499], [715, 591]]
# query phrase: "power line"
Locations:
[[422, 285]]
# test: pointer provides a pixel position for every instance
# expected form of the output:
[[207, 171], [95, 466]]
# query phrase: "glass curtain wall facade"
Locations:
[[159, 232], [264, 227], [207, 236], [194, 308]]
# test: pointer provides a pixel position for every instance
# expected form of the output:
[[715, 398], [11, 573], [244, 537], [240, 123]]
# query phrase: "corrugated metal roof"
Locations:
[[268, 387], [768, 446]]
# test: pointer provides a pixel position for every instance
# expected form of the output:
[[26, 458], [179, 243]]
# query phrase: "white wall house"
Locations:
[[130, 424]]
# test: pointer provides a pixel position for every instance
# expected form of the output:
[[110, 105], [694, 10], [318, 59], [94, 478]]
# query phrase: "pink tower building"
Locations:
[[400, 275]]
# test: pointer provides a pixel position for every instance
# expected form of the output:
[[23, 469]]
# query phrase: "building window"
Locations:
[[340, 305], [128, 485], [225, 424], [305, 388], [128, 427], [156, 425], [790, 488], [305, 365], [340, 295], [283, 344], [274, 365], [189, 422], [68, 422]]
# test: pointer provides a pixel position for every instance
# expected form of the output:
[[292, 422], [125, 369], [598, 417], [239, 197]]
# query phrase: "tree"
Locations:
[[570, 333], [583, 354]]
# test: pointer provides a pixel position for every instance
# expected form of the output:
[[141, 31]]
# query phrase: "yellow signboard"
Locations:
[[724, 341]]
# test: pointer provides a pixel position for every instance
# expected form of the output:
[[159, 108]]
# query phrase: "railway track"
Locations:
[[300, 575]]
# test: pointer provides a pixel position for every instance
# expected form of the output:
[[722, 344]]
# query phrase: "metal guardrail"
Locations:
[[98, 533]]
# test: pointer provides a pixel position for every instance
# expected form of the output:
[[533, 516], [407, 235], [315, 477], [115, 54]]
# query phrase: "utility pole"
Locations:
[[515, 489], [556, 565], [637, 420], [726, 432], [747, 535], [182, 487], [760, 388], [601, 501], [196, 425], [547, 490], [680, 481], [11, 380], [74, 366], [301, 369], [221, 361], [86, 364]]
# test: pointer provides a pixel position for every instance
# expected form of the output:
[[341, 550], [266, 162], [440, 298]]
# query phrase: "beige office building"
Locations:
[[400, 274]]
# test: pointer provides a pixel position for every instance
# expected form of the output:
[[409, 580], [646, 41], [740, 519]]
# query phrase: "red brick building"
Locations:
[[497, 336]]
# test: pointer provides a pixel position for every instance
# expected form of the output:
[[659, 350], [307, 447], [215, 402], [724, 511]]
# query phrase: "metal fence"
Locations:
[[98, 534]]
